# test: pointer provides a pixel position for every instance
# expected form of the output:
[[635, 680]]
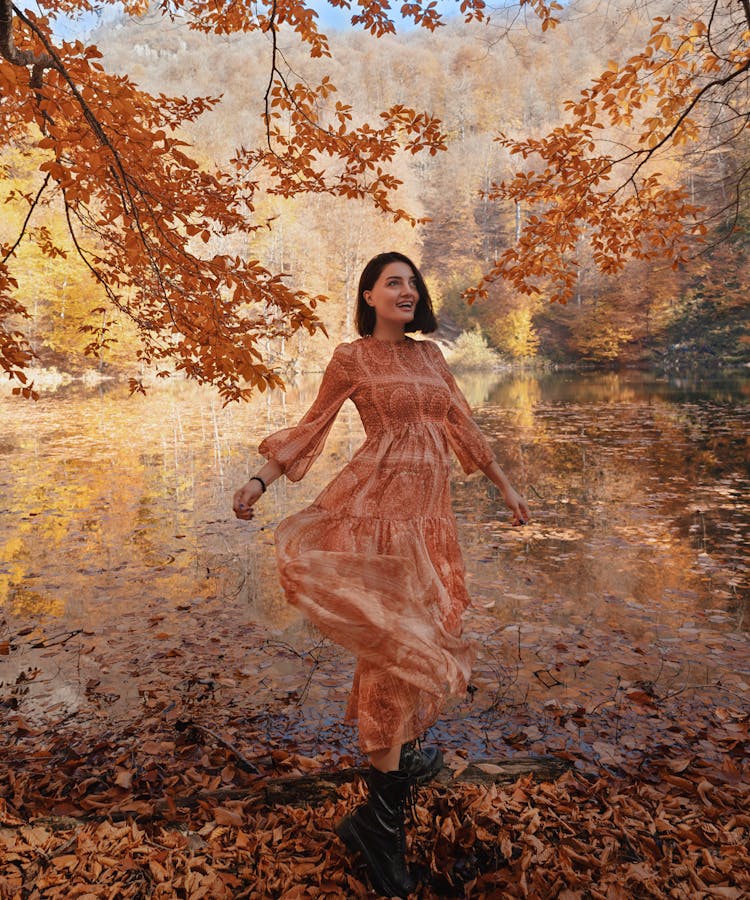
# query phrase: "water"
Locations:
[[124, 574]]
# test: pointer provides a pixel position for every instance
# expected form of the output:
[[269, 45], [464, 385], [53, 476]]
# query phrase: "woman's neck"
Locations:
[[389, 331]]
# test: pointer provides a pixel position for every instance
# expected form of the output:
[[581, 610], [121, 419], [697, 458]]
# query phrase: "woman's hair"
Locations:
[[424, 317]]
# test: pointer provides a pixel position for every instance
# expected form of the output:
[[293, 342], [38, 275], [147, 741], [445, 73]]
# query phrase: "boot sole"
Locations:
[[346, 831], [427, 777]]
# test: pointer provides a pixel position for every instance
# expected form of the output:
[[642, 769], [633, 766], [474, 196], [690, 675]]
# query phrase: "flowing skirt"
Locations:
[[392, 592]]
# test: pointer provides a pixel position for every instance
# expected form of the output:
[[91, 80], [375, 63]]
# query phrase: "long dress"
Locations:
[[375, 562]]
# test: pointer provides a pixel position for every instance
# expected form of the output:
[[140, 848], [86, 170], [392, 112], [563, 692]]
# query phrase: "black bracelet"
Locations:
[[259, 479]]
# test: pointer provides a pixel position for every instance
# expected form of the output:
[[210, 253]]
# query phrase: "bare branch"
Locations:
[[111, 295], [27, 219], [274, 72]]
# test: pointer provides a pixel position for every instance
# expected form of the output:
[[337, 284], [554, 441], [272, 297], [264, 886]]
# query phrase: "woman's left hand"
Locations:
[[516, 503]]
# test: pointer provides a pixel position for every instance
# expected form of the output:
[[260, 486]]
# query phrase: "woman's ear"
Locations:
[[367, 295]]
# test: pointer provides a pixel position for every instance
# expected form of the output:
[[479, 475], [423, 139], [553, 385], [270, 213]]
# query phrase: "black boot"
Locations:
[[376, 830], [420, 763]]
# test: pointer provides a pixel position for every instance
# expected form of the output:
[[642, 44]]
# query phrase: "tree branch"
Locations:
[[646, 155], [27, 219], [17, 57]]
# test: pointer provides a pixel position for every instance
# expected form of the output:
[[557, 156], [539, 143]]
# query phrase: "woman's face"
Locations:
[[394, 296]]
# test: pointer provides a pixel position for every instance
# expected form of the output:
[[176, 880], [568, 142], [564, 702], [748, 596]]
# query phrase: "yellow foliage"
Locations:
[[515, 334]]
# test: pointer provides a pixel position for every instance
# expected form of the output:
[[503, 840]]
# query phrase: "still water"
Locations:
[[116, 521]]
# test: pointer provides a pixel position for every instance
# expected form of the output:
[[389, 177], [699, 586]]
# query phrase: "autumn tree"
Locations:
[[598, 180], [165, 238]]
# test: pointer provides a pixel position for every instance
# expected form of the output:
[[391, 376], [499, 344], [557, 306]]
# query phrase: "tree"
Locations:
[[598, 179], [164, 238]]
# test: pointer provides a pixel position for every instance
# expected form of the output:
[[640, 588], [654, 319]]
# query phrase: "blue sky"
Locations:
[[329, 17]]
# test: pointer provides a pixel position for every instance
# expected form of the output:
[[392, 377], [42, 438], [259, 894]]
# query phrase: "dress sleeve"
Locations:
[[297, 448], [464, 435]]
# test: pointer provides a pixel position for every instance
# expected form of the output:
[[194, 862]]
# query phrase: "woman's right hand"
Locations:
[[245, 498]]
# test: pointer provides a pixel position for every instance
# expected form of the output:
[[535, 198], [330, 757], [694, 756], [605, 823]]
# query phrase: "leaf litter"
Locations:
[[169, 800]]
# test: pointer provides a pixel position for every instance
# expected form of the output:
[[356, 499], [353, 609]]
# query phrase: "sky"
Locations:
[[330, 18]]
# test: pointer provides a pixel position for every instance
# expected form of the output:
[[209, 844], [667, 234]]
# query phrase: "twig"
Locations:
[[28, 217], [64, 636], [245, 764]]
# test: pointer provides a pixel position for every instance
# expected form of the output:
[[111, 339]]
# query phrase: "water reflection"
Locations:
[[116, 512]]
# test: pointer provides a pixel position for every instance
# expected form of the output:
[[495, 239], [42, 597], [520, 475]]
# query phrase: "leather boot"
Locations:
[[420, 763], [376, 830]]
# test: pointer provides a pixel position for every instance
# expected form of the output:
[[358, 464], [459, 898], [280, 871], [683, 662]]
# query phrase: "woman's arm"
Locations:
[[292, 451], [516, 503], [249, 494]]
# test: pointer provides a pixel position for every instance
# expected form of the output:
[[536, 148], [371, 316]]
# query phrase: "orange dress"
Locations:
[[375, 562]]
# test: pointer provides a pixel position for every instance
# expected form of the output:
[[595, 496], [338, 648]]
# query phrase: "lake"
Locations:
[[122, 566]]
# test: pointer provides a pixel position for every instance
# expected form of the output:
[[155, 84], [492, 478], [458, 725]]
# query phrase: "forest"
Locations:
[[670, 312]]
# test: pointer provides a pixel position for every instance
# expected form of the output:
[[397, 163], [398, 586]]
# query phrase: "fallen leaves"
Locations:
[[662, 826]]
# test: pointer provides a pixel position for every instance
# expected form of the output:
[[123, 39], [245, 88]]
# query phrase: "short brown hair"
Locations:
[[424, 317]]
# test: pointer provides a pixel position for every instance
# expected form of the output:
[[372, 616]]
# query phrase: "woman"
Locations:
[[374, 562]]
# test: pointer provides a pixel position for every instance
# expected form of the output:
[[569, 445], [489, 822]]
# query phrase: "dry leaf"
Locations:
[[224, 816]]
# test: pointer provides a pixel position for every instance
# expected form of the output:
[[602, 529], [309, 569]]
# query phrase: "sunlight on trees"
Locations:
[[211, 227]]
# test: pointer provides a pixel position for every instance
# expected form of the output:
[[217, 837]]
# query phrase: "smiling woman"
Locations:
[[375, 562], [392, 299]]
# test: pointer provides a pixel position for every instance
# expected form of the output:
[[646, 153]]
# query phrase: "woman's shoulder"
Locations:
[[432, 348], [344, 355], [346, 349]]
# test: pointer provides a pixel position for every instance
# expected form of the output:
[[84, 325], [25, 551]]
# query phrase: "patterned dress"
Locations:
[[375, 562]]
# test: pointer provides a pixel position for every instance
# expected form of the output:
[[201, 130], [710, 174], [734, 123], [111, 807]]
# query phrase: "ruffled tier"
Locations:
[[392, 592]]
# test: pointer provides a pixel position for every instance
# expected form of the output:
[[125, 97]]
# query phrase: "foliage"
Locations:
[[594, 180], [212, 228], [166, 239], [516, 334], [471, 351], [598, 339]]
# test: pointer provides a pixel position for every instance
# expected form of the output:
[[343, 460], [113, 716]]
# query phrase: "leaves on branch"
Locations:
[[169, 241], [581, 188], [166, 239]]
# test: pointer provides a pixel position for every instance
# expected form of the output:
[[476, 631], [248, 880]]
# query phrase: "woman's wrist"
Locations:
[[260, 481]]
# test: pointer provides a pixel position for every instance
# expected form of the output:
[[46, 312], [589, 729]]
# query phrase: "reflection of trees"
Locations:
[[617, 475], [479, 387], [522, 394], [79, 508], [639, 503]]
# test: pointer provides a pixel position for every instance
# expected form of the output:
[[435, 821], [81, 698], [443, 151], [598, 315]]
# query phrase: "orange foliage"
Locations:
[[148, 220], [584, 189], [173, 243]]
